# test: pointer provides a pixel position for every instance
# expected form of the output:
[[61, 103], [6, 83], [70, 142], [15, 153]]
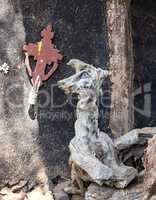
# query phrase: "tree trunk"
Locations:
[[121, 66]]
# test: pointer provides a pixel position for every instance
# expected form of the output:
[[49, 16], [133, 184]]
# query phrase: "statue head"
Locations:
[[86, 77]]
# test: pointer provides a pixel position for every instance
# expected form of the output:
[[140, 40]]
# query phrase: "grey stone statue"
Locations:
[[93, 153]]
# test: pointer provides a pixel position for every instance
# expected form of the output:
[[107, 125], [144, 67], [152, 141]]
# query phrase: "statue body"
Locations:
[[92, 151]]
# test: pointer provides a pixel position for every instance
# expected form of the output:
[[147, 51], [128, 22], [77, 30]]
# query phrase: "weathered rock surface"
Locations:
[[59, 193], [77, 197], [13, 196], [150, 169], [96, 192], [36, 194], [72, 22], [19, 153], [39, 194], [20, 191], [22, 21], [142, 15], [61, 196], [91, 150]]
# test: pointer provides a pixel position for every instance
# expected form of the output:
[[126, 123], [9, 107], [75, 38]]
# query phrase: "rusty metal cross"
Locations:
[[45, 54]]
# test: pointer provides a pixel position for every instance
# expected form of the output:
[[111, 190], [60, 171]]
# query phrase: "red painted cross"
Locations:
[[44, 53]]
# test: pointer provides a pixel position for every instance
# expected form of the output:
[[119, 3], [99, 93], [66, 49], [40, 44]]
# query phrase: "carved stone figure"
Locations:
[[93, 156]]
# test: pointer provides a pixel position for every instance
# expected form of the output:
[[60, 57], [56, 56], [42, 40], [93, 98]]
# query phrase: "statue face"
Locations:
[[77, 83], [86, 78]]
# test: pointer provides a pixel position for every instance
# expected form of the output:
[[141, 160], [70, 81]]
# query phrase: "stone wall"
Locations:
[[19, 152], [144, 31], [79, 33]]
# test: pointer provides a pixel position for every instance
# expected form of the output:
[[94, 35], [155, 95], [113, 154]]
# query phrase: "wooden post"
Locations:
[[121, 66]]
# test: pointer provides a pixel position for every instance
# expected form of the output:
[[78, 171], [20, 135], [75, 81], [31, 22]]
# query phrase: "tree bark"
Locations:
[[121, 66]]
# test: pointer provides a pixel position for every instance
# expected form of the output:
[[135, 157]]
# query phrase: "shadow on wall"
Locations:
[[79, 33]]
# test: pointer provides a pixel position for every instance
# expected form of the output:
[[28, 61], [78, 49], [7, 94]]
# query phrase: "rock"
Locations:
[[13, 189], [127, 140], [39, 194], [55, 180], [18, 134], [14, 196], [20, 157], [61, 186], [58, 191], [96, 192], [56, 122], [99, 193], [77, 197], [150, 169], [61, 196]]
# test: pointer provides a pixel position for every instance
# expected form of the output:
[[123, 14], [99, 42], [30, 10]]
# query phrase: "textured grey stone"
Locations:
[[77, 197], [61, 196], [93, 150], [150, 169], [95, 192], [19, 153], [58, 191], [79, 34], [61, 186], [22, 21]]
